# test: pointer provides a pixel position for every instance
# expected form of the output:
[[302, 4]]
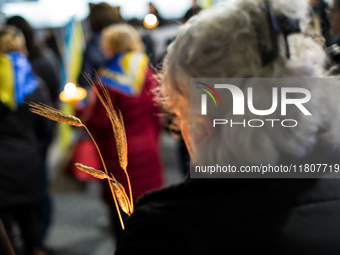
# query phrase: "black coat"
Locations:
[[43, 68], [237, 216], [93, 58], [23, 135]]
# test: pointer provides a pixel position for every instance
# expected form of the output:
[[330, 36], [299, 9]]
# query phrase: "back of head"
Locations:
[[11, 39], [123, 37], [28, 32], [16, 77], [103, 15], [233, 41], [223, 41]]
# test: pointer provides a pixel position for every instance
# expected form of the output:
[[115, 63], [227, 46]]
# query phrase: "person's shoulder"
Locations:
[[153, 225], [93, 43], [161, 200], [158, 197], [167, 205]]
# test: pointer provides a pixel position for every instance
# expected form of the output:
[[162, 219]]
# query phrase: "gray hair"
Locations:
[[222, 42]]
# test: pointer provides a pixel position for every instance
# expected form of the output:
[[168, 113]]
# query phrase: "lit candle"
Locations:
[[70, 89], [72, 94]]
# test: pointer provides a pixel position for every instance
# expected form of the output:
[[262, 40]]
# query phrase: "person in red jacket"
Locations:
[[130, 82]]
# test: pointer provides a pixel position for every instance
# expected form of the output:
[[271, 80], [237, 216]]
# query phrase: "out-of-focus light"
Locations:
[[70, 10], [150, 21], [72, 94], [70, 89]]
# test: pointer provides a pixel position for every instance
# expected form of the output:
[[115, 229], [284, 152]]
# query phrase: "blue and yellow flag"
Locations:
[[7, 91], [17, 79], [126, 73], [73, 46]]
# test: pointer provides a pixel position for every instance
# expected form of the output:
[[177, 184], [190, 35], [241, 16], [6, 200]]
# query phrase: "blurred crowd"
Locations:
[[123, 56], [119, 54]]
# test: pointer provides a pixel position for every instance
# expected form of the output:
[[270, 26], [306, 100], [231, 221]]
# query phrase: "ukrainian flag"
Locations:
[[7, 82], [17, 79], [73, 47], [126, 73]]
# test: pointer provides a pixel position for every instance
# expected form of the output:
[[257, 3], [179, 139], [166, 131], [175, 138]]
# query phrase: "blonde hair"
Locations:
[[123, 37], [11, 39], [223, 42]]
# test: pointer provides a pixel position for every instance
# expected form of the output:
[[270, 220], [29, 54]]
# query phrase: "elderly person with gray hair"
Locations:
[[245, 216]]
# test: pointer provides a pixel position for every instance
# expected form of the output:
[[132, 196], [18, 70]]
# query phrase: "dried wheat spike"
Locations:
[[122, 198], [54, 114], [120, 136], [118, 129], [116, 120], [123, 158], [94, 172]]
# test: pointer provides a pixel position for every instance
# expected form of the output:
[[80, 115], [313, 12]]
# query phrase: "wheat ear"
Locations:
[[118, 189], [117, 125], [56, 115], [116, 120], [122, 198], [109, 182], [94, 172]]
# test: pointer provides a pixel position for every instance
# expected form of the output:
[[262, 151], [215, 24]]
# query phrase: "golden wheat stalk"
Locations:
[[121, 134], [56, 115], [109, 182], [118, 189], [122, 198], [92, 171], [116, 120], [117, 125]]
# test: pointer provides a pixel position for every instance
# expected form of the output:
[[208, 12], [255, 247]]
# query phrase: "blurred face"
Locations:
[[334, 18], [106, 47]]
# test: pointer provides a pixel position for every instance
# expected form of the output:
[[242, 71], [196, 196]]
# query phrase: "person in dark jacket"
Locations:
[[43, 67], [22, 139], [244, 216], [39, 58], [101, 16]]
